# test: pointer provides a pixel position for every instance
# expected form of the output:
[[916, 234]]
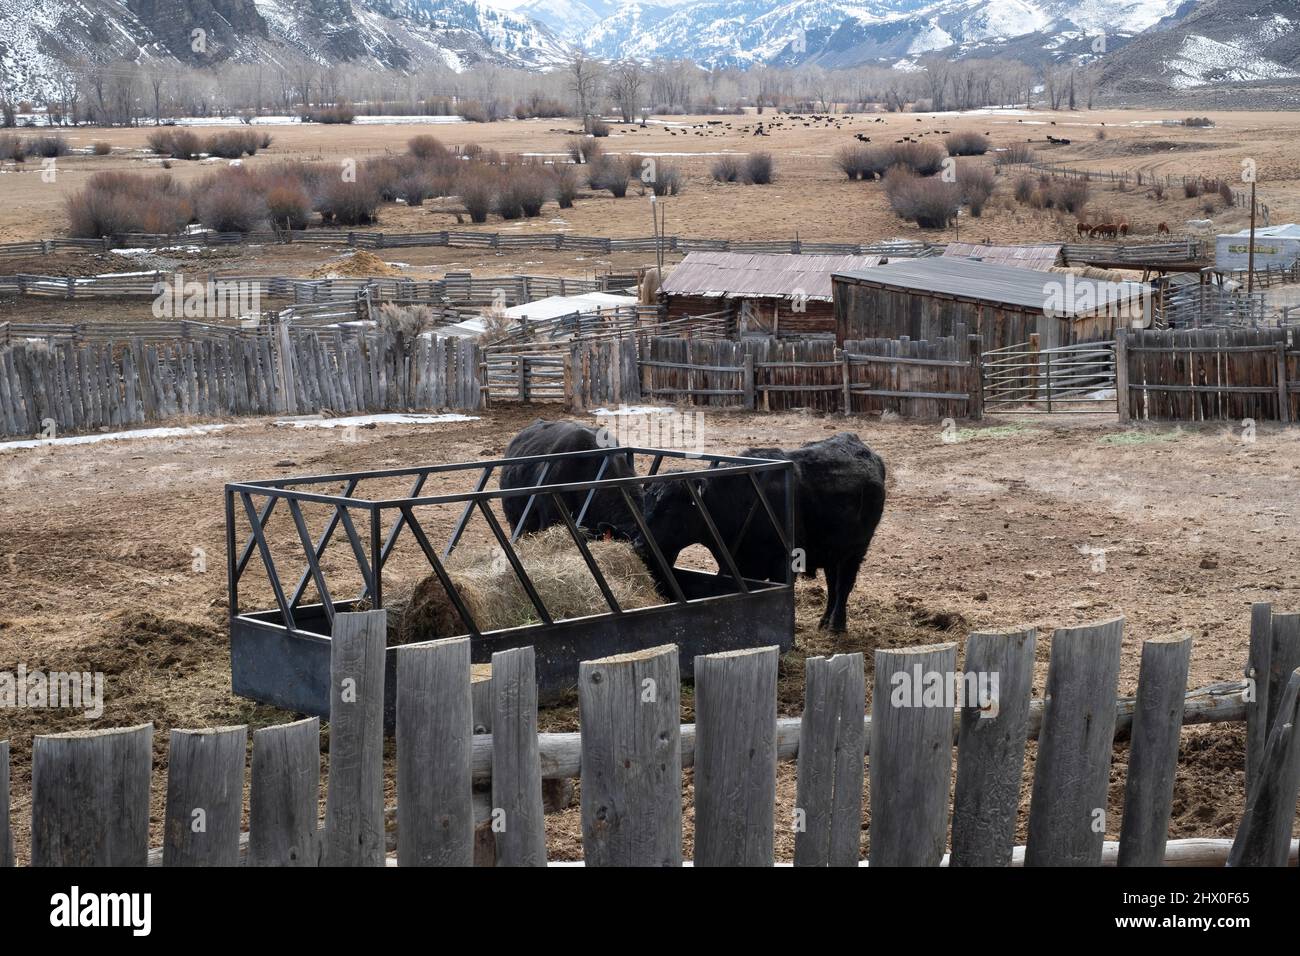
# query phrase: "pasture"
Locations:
[[809, 197], [997, 530]]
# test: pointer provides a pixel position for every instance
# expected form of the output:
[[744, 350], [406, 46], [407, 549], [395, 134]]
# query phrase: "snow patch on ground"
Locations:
[[115, 436], [384, 419]]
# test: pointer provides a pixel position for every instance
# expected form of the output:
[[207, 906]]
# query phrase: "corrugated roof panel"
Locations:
[[754, 275], [1040, 257], [1064, 295]]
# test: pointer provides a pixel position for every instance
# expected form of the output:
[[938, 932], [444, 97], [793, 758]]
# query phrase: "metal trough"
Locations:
[[281, 655]]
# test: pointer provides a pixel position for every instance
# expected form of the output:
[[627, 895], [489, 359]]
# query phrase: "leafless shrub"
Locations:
[[1016, 154], [928, 201], [477, 190], [564, 185], [13, 148], [853, 161], [288, 205], [48, 147], [725, 169], [760, 169], [976, 184], [425, 147], [1023, 189], [101, 148], [342, 113], [115, 203], [1069, 196], [227, 202], [348, 203], [583, 149], [966, 144], [611, 173]]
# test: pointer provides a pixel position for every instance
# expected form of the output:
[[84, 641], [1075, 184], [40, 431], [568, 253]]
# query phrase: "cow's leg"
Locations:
[[848, 576], [832, 589]]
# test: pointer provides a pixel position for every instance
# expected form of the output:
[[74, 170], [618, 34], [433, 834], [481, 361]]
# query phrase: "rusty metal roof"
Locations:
[[1040, 257], [1052, 293], [745, 276]]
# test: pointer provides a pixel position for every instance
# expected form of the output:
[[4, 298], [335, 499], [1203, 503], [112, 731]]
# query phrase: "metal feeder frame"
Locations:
[[281, 656]]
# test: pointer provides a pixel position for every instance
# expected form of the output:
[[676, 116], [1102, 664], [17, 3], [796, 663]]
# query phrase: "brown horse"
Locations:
[[1162, 229], [1084, 228]]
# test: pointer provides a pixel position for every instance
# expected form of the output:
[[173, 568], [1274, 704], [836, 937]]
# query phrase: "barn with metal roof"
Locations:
[[1005, 305], [782, 295]]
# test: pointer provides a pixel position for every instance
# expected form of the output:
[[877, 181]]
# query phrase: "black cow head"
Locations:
[[674, 521]]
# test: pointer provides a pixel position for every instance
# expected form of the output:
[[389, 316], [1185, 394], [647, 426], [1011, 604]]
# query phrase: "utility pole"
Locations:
[[1250, 260]]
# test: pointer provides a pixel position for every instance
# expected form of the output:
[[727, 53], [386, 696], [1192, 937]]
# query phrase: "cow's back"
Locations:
[[554, 438]]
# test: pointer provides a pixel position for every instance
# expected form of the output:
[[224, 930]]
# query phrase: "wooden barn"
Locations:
[[766, 295], [934, 297]]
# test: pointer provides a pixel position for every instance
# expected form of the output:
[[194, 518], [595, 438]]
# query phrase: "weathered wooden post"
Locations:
[[911, 754], [846, 383], [435, 730], [749, 381], [6, 831], [205, 797], [516, 764], [1121, 375], [1283, 658], [1153, 752], [631, 759], [735, 757], [1283, 394], [90, 797], [1258, 672], [991, 747], [354, 803], [1264, 837], [1067, 812], [832, 740], [976, 387], [283, 795]]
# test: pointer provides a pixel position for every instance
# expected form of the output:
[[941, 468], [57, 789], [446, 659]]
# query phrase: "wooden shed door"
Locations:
[[757, 317]]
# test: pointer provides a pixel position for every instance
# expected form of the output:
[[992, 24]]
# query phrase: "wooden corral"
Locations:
[[765, 295], [1004, 305], [1230, 375], [94, 785]]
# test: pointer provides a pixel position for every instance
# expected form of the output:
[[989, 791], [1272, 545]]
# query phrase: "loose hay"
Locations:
[[359, 265], [493, 595]]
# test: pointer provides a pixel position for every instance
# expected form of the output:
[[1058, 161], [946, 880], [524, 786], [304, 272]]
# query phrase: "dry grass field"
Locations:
[[809, 198]]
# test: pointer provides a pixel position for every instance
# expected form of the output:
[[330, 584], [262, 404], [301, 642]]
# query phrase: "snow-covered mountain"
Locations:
[[39, 36], [1249, 50], [848, 33]]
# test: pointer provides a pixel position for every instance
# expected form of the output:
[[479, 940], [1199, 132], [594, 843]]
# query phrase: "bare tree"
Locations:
[[584, 84], [628, 82]]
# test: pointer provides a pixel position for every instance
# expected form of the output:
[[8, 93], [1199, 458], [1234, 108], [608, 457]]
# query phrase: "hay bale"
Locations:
[[490, 591]]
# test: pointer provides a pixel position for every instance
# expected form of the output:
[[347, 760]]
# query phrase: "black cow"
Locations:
[[839, 496], [607, 513]]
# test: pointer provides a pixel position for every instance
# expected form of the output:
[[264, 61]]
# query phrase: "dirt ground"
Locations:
[[807, 189], [1000, 529]]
